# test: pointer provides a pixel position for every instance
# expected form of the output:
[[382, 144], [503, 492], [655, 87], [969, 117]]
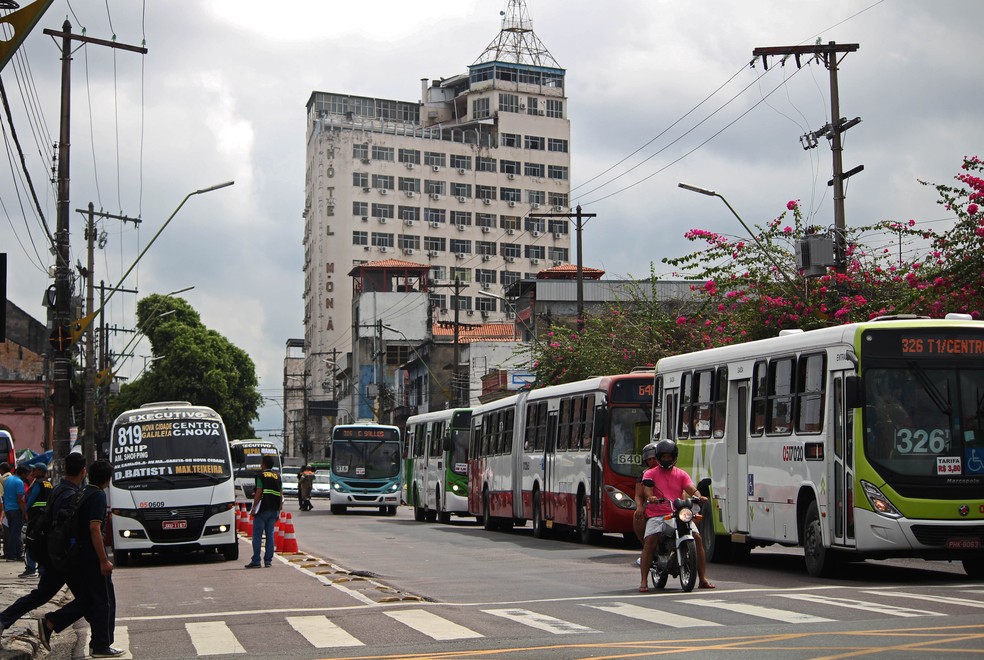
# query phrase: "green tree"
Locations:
[[192, 363]]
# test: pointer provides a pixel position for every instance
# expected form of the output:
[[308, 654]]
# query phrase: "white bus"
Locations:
[[246, 458], [436, 470], [172, 485], [858, 441], [565, 455]]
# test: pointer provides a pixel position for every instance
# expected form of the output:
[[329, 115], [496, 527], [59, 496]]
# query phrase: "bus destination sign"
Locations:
[[636, 390], [365, 433], [958, 343]]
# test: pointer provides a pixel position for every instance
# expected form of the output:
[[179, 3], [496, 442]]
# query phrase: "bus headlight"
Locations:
[[878, 501], [620, 499], [394, 487]]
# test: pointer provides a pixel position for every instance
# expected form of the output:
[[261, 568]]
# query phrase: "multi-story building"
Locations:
[[453, 182]]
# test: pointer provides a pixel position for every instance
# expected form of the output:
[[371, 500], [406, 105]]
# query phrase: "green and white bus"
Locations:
[[366, 467], [858, 441], [437, 464]]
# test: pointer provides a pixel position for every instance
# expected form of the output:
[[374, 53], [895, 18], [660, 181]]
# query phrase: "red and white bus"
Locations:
[[561, 455]]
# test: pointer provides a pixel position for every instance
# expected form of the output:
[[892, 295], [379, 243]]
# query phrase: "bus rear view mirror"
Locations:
[[853, 392], [600, 422]]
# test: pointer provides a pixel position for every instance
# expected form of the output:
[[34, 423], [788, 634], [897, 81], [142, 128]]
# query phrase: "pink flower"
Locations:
[[787, 230], [972, 209], [791, 205], [912, 223], [681, 320]]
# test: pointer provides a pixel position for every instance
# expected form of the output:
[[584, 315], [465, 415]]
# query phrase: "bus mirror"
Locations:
[[448, 443], [703, 486], [648, 482], [600, 422], [853, 392]]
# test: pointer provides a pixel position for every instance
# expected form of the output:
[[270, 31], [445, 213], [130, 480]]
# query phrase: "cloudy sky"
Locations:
[[660, 91]]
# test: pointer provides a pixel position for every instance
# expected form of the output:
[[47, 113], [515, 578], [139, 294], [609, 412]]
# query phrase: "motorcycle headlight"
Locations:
[[686, 515]]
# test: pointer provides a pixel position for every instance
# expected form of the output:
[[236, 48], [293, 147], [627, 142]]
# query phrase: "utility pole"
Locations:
[[458, 287], [828, 55], [580, 220], [61, 337]]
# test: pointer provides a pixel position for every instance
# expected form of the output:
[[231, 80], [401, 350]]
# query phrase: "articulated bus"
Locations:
[[172, 486], [366, 467], [436, 465], [565, 455], [859, 441]]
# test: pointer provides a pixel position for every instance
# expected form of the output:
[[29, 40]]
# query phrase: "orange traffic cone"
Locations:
[[290, 541], [248, 525], [239, 518], [278, 536]]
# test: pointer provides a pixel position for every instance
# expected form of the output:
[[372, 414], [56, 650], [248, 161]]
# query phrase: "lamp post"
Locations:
[[711, 193]]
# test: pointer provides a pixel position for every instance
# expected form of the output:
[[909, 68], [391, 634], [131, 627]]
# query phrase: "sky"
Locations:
[[659, 92]]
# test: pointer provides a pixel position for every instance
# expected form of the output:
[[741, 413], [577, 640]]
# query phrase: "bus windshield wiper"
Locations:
[[941, 402]]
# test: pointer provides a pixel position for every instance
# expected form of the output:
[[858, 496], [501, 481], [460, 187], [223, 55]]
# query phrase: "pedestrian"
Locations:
[[51, 580], [4, 473], [37, 499], [305, 483], [91, 581], [268, 498], [14, 508]]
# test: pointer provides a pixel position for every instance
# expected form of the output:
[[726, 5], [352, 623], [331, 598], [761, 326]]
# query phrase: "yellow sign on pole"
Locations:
[[21, 22]]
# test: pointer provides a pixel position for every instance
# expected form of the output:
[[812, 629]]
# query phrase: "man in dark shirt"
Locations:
[[268, 498]]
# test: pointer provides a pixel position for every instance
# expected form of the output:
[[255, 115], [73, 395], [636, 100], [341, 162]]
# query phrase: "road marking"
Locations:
[[867, 606], [321, 632], [432, 625], [967, 602], [121, 639], [213, 638], [541, 621], [652, 615], [758, 610]]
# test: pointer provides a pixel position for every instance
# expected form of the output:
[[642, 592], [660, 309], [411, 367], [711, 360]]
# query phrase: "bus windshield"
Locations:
[[924, 421], [182, 453], [629, 434], [365, 460]]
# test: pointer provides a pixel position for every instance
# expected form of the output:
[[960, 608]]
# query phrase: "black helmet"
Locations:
[[649, 451], [667, 447]]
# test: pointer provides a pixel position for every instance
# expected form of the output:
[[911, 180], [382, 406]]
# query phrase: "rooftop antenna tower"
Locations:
[[516, 42]]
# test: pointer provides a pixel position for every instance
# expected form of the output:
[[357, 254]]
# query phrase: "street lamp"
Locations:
[[711, 193]]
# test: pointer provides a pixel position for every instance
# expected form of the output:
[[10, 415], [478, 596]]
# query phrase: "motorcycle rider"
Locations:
[[670, 483]]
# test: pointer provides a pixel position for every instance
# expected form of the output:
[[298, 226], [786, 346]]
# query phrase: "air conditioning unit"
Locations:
[[407, 250], [366, 161], [432, 253], [534, 233], [365, 218], [535, 205], [486, 286], [486, 201], [510, 315], [383, 248], [534, 261], [366, 248], [558, 235], [461, 170], [557, 208], [509, 260], [461, 227], [383, 221], [460, 255], [435, 225], [436, 168], [485, 314], [470, 312], [558, 263], [510, 176], [410, 166], [410, 193], [510, 231], [486, 230], [512, 204], [367, 189], [461, 198], [383, 191], [408, 223], [435, 196], [486, 257]]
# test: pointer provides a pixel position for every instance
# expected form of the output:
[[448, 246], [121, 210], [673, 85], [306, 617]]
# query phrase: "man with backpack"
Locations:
[[91, 573], [51, 580], [37, 499]]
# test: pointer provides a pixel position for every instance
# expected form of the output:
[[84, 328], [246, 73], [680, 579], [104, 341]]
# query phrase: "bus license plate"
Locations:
[[963, 544], [174, 524]]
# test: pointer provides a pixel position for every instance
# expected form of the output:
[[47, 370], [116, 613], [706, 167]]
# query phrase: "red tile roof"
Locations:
[[484, 332], [569, 272]]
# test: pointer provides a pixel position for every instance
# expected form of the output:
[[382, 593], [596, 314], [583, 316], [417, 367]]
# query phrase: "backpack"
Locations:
[[64, 546], [36, 536]]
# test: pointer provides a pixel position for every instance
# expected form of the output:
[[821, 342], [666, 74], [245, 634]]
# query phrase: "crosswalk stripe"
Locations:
[[867, 606], [213, 638], [651, 615], [321, 632], [432, 625], [541, 621], [759, 611], [950, 600], [121, 640]]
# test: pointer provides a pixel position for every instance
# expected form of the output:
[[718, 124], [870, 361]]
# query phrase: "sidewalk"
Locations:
[[20, 641]]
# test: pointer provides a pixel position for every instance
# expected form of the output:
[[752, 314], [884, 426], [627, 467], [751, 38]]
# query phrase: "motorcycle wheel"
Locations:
[[688, 565], [657, 577]]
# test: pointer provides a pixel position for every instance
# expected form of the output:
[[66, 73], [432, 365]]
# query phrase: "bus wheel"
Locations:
[[539, 524], [337, 509], [973, 568], [418, 511], [820, 561], [487, 523], [443, 516], [121, 558], [230, 552], [584, 533]]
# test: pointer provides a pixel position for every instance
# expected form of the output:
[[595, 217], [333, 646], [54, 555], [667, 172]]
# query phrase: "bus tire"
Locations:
[[540, 530], [820, 561], [443, 516], [584, 533], [488, 523], [230, 552], [418, 511], [973, 568], [121, 558], [338, 509]]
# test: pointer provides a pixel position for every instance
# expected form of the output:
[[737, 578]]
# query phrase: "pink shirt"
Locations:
[[669, 484]]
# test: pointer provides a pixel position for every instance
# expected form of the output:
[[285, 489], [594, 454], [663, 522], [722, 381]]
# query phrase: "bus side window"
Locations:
[[720, 412], [759, 398], [686, 398], [507, 435], [781, 384], [703, 396], [587, 428], [811, 381]]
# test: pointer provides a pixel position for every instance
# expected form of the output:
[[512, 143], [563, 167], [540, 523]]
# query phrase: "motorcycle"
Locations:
[[676, 554]]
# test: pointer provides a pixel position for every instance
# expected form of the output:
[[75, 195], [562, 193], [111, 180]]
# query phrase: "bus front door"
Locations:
[[740, 488], [842, 466], [549, 458]]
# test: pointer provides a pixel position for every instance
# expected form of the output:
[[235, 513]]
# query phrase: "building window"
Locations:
[[460, 246], [557, 226], [461, 218], [485, 192], [483, 276], [481, 108], [557, 172], [409, 156], [556, 144], [380, 239], [460, 162], [432, 187], [408, 184], [382, 210], [360, 238], [438, 301], [557, 199], [533, 169], [509, 222], [509, 139], [434, 215], [397, 355], [409, 241], [382, 181], [555, 108], [485, 220], [360, 179], [533, 224], [508, 102], [434, 159], [483, 164], [360, 209], [510, 250], [506, 278], [510, 194], [434, 243], [463, 275], [534, 142], [535, 251], [382, 153], [535, 197], [509, 166], [437, 273], [460, 189], [360, 151], [558, 254], [485, 247], [484, 303], [532, 105], [410, 213]]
